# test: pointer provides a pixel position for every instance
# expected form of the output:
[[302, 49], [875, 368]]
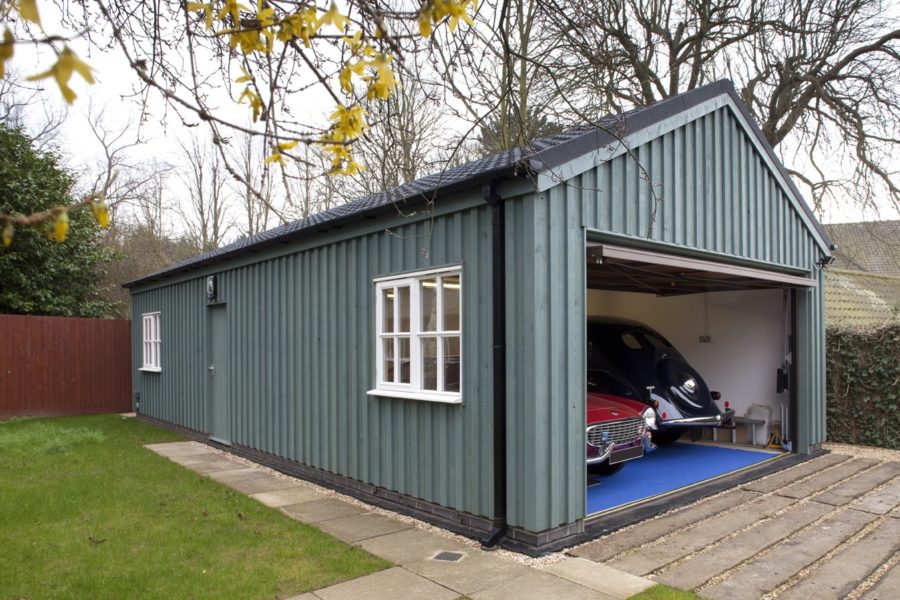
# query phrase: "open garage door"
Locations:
[[703, 331], [636, 270]]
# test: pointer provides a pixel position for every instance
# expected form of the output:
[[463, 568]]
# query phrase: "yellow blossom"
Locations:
[[67, 63], [101, 213], [347, 72], [61, 227], [245, 77], [206, 8], [255, 101], [28, 10], [8, 235], [6, 50], [233, 9], [288, 145], [383, 83], [425, 17], [301, 25], [275, 157], [333, 17]]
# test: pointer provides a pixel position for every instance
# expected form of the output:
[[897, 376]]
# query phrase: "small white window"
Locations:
[[150, 342], [418, 326]]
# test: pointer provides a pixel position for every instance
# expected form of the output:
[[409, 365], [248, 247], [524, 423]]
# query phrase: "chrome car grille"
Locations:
[[617, 432]]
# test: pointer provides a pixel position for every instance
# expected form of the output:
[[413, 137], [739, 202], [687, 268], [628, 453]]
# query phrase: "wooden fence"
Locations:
[[52, 366]]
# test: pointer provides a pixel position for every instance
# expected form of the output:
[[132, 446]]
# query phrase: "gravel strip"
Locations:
[[506, 554], [863, 451]]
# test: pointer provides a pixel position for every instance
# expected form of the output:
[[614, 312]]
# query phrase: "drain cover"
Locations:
[[449, 556]]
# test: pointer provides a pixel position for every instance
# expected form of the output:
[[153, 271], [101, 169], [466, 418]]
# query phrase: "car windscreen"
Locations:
[[606, 382]]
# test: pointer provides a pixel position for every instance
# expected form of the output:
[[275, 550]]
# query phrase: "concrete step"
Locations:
[[828, 477], [762, 575], [648, 531], [841, 574], [683, 543], [788, 476], [708, 563], [860, 484]]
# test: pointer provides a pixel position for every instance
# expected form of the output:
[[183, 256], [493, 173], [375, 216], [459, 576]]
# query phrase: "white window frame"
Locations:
[[414, 389], [151, 341]]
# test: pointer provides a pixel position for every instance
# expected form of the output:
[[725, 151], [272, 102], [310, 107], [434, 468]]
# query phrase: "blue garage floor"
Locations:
[[667, 469]]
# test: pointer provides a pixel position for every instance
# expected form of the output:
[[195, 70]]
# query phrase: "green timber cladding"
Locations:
[[697, 180]]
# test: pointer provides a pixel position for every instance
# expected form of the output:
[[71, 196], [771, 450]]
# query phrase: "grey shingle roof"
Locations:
[[540, 155], [872, 246], [859, 300]]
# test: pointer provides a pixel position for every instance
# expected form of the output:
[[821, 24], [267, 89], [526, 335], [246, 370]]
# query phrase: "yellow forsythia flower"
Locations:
[[101, 213], [67, 63], [275, 157], [207, 9], [333, 17], [288, 145], [6, 50], [28, 11], [61, 227], [383, 83], [7, 235]]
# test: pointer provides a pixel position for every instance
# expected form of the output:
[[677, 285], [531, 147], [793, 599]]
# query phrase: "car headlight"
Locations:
[[649, 416]]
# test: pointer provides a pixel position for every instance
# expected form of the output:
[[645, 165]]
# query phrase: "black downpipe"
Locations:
[[498, 316]]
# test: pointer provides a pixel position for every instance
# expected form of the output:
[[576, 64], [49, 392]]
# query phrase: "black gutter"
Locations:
[[498, 299]]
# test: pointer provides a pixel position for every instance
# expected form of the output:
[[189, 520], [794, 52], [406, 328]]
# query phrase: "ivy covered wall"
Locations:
[[863, 386]]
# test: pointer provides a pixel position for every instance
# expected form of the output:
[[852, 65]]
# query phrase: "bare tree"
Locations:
[[399, 147], [204, 179], [820, 77], [255, 185], [21, 108]]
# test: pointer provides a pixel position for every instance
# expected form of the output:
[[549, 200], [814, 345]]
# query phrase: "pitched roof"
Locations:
[[871, 246], [538, 156], [857, 300]]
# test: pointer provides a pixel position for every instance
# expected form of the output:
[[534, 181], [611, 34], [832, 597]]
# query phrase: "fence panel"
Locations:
[[53, 366]]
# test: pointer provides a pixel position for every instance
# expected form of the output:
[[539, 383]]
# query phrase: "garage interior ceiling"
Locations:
[[631, 270]]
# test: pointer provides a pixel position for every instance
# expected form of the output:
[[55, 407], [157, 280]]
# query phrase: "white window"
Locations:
[[418, 325], [150, 342]]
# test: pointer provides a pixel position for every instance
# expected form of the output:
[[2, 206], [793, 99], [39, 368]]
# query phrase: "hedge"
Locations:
[[863, 386]]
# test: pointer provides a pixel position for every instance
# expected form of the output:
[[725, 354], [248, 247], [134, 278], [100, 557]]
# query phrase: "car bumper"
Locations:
[[616, 453], [710, 421]]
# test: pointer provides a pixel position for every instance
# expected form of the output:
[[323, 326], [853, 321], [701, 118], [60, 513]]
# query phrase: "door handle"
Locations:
[[211, 368]]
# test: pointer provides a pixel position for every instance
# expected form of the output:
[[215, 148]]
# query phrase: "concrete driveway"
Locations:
[[827, 528]]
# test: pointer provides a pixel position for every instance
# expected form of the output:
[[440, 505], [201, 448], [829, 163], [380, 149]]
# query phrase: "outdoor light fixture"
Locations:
[[212, 288]]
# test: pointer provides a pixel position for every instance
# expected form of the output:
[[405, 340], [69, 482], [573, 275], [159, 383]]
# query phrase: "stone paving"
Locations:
[[478, 575], [826, 528]]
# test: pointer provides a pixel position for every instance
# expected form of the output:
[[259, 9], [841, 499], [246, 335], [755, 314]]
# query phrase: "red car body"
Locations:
[[615, 429]]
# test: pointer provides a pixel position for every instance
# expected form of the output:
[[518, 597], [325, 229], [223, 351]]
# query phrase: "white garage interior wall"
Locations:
[[747, 341]]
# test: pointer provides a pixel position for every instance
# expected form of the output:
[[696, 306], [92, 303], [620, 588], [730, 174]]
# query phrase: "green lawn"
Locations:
[[86, 512], [664, 592]]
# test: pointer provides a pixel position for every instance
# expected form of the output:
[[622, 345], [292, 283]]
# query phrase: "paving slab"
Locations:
[[409, 546], [860, 484], [216, 465], [477, 571], [887, 588], [789, 476], [167, 448], [760, 576], [192, 458], [828, 477], [535, 585], [600, 578], [291, 495], [306, 596], [252, 482], [707, 563], [390, 584], [881, 501], [362, 526], [621, 541], [683, 543], [841, 574], [321, 510]]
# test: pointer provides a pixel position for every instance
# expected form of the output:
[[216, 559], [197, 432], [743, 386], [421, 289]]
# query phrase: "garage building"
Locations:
[[424, 349]]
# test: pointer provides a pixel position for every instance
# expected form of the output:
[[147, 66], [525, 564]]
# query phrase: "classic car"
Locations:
[[617, 427], [652, 371]]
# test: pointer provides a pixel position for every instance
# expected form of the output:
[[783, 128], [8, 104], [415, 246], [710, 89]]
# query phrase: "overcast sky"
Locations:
[[114, 94]]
